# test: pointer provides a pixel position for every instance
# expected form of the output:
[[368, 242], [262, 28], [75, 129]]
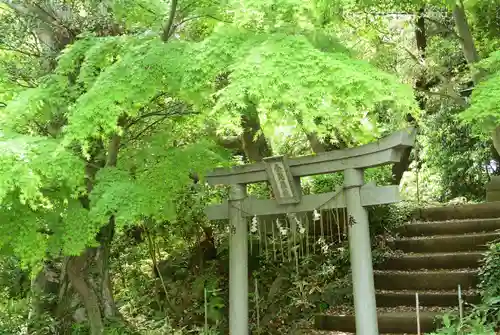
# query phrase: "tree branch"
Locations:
[[460, 101], [448, 29], [151, 125], [26, 53], [27, 85], [190, 4], [154, 123], [45, 231], [55, 20], [153, 99], [146, 8], [15, 7], [159, 113], [199, 17]]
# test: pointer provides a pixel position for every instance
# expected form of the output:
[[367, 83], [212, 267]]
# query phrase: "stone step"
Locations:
[[425, 280], [457, 260], [425, 298], [388, 322], [449, 227], [459, 212], [447, 243]]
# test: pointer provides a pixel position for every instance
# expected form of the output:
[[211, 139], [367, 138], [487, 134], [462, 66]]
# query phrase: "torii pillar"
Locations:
[[361, 255]]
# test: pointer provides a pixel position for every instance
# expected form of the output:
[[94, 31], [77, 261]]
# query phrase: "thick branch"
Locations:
[[466, 39], [55, 20], [114, 146], [465, 34], [76, 271]]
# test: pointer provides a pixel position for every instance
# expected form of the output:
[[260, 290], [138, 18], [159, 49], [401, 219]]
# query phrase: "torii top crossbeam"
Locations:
[[289, 198], [386, 150]]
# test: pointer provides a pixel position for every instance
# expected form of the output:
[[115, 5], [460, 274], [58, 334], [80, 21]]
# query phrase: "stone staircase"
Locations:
[[433, 255]]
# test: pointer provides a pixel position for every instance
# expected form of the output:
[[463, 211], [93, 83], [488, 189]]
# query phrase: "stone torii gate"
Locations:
[[284, 175]]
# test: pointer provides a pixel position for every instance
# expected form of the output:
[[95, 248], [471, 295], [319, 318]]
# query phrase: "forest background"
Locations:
[[112, 111]]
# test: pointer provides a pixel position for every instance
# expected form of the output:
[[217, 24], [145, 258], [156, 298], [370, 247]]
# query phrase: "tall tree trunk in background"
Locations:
[[471, 55], [89, 272], [399, 169]]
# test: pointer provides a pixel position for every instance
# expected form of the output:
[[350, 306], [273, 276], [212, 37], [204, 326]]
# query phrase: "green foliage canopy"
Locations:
[[104, 86], [484, 113]]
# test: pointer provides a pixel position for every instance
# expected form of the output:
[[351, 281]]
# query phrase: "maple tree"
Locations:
[[109, 108]]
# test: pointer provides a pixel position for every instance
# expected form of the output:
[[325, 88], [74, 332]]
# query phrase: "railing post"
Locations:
[[361, 255], [238, 263]]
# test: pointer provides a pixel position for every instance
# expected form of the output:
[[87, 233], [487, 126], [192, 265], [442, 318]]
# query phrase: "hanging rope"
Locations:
[[337, 192]]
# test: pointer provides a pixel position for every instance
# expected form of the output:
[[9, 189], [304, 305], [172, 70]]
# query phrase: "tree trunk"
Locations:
[[78, 272], [253, 140], [90, 277], [89, 272], [315, 143], [399, 168], [496, 139], [65, 310], [105, 289]]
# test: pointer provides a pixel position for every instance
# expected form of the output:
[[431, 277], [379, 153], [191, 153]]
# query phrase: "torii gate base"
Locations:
[[284, 176]]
